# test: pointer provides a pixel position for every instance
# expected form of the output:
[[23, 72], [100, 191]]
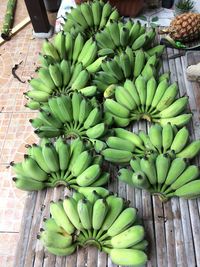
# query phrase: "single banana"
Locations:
[[125, 175], [128, 238], [180, 140], [167, 137], [117, 156], [120, 144], [162, 167], [190, 151], [58, 214], [148, 167], [84, 208], [70, 207], [129, 136], [128, 257], [100, 209], [116, 108], [88, 176], [140, 180]]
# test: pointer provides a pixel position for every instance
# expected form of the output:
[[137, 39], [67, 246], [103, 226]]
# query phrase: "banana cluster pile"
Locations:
[[123, 145], [148, 100], [118, 35], [89, 18], [70, 116], [98, 219], [128, 65], [50, 165], [163, 176]]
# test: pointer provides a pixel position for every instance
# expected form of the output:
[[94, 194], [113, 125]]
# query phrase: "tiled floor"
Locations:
[[15, 129]]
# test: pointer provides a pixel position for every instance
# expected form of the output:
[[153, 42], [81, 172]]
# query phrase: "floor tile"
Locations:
[[11, 202], [4, 124], [19, 133]]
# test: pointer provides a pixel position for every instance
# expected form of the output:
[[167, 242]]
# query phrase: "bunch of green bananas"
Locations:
[[90, 17], [148, 100], [99, 219], [50, 165], [164, 176], [119, 35], [128, 65], [58, 79], [122, 145], [71, 116], [73, 49]]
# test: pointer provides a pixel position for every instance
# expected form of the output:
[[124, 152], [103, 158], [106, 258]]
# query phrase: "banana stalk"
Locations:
[[8, 19]]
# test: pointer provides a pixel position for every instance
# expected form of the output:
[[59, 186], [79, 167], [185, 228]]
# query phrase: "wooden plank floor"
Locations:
[[172, 228]]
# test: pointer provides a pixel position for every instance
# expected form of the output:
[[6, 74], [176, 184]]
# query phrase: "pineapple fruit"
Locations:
[[185, 27]]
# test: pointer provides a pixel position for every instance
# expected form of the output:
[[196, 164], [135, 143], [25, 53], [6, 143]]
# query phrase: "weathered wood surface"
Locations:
[[173, 228]]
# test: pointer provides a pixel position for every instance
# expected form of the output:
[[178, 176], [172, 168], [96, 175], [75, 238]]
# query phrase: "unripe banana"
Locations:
[[174, 109], [52, 239], [116, 108], [177, 167], [139, 62], [128, 238], [162, 86], [51, 157], [100, 209], [167, 136], [119, 143], [39, 158], [126, 218], [81, 164], [96, 131], [168, 97], [180, 140], [56, 75], [49, 49], [58, 214], [51, 226], [190, 173], [117, 156], [70, 207], [190, 151], [93, 118], [151, 89], [162, 167], [28, 184], [140, 180], [135, 164], [84, 208], [45, 78], [62, 251], [130, 87], [155, 135], [149, 169], [90, 175], [125, 175], [102, 180], [128, 257], [124, 98], [59, 44], [142, 245], [63, 151], [130, 136], [38, 96], [179, 121], [189, 190], [32, 169], [86, 191]]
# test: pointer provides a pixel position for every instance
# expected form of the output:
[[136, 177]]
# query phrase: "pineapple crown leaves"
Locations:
[[185, 5]]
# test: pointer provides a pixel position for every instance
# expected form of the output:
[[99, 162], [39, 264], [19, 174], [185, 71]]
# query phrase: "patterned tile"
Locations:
[[4, 124], [19, 133], [11, 202], [8, 242]]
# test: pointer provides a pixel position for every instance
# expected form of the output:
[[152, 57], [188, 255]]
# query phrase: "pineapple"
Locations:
[[185, 27]]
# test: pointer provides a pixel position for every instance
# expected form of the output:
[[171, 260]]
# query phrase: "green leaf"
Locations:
[[154, 19], [143, 18]]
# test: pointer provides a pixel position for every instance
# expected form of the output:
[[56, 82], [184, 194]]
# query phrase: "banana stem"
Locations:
[[89, 233], [94, 233], [103, 237], [99, 234]]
